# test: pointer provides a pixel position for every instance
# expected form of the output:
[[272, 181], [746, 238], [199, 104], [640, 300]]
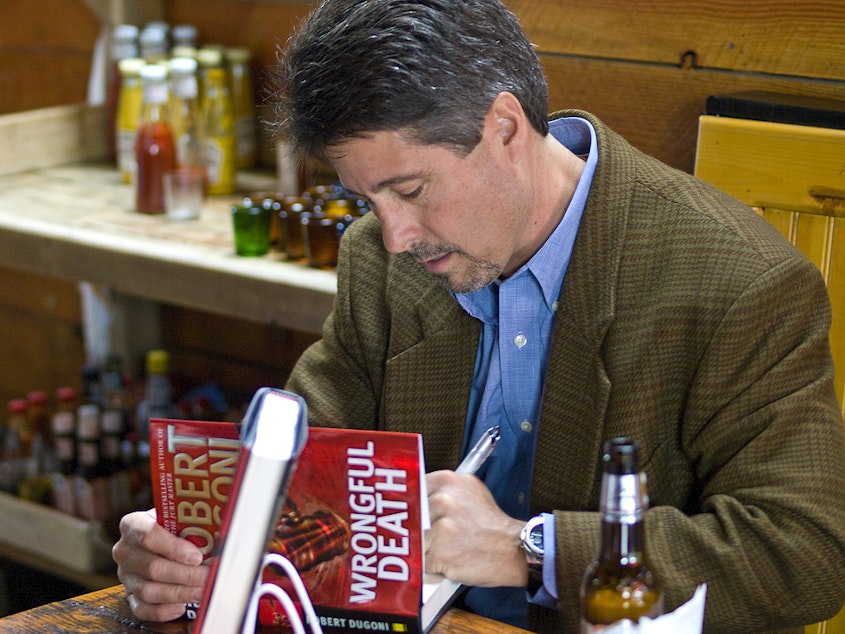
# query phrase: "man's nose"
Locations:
[[399, 228]]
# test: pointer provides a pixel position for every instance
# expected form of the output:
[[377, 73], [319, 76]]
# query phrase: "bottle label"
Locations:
[[155, 92], [624, 498], [220, 163], [126, 162], [64, 423], [184, 85], [65, 447]]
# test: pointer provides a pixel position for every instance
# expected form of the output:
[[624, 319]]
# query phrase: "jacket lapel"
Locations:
[[577, 390], [427, 384]]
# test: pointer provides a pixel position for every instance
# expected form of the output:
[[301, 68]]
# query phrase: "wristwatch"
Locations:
[[531, 537]]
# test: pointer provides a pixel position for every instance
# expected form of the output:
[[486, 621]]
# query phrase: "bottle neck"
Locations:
[[152, 112], [155, 98], [184, 86], [620, 540], [622, 505]]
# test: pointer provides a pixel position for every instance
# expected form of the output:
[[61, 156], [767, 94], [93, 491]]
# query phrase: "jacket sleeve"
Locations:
[[336, 375]]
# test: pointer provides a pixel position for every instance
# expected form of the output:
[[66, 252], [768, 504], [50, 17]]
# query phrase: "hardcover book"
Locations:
[[351, 524], [274, 432]]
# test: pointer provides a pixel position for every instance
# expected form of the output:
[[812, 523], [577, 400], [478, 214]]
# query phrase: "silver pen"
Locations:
[[479, 454]]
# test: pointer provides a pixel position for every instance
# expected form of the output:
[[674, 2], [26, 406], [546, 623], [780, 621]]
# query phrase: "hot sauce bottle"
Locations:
[[155, 149]]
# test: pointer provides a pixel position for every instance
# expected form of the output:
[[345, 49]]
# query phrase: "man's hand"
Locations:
[[160, 571], [471, 539]]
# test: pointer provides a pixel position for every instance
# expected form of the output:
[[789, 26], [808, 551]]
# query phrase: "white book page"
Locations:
[[437, 590]]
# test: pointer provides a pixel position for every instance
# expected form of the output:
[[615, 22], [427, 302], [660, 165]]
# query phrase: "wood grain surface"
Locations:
[[107, 612]]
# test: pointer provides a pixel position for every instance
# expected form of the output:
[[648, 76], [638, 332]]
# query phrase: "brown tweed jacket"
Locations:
[[686, 322]]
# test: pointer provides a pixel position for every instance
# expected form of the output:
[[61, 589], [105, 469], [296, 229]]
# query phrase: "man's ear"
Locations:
[[507, 122]]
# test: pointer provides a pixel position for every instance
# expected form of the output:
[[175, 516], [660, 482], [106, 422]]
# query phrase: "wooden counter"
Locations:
[[77, 222], [106, 611]]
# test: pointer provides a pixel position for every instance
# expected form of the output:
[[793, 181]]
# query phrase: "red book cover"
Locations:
[[352, 524], [192, 464]]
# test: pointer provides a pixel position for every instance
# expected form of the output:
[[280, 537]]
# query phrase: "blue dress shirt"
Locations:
[[518, 316]]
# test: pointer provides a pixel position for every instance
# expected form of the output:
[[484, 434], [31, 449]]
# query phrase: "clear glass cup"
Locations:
[[184, 192]]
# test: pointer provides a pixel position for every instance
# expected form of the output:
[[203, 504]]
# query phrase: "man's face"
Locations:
[[462, 218]]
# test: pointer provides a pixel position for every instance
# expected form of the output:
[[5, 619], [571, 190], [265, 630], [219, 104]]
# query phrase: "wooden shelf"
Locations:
[[77, 222], [46, 539]]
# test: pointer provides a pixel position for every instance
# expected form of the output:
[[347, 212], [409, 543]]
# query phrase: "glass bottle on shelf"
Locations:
[[124, 45], [185, 115], [91, 378], [157, 401], [20, 424], [89, 484], [39, 413], [184, 35], [129, 106], [619, 584], [63, 431], [111, 439], [155, 149], [207, 57], [154, 42], [218, 124], [243, 105], [114, 468], [13, 463]]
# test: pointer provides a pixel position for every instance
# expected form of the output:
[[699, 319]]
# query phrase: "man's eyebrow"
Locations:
[[388, 182]]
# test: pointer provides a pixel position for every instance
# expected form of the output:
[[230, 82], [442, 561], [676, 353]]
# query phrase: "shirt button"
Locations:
[[526, 426], [521, 497], [520, 340]]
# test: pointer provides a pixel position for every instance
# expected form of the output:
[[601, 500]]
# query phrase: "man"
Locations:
[[549, 278]]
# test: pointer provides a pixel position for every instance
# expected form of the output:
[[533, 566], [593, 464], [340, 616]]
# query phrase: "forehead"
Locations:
[[371, 160]]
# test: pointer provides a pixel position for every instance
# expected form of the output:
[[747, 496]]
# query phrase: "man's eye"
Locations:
[[413, 194]]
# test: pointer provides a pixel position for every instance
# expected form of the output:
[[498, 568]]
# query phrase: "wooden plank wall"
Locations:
[[645, 68], [45, 53], [40, 335]]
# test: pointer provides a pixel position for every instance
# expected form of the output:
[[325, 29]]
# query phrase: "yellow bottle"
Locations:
[[219, 128], [243, 105], [129, 103]]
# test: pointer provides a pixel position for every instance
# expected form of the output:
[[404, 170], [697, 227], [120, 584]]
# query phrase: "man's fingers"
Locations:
[[141, 529], [159, 612]]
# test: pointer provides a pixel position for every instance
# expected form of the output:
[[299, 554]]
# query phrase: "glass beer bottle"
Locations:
[[619, 584]]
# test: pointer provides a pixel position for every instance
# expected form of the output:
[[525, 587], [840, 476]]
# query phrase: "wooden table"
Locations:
[[107, 612]]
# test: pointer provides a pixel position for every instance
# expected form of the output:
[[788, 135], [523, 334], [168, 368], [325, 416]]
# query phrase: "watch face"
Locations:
[[536, 538], [532, 537]]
